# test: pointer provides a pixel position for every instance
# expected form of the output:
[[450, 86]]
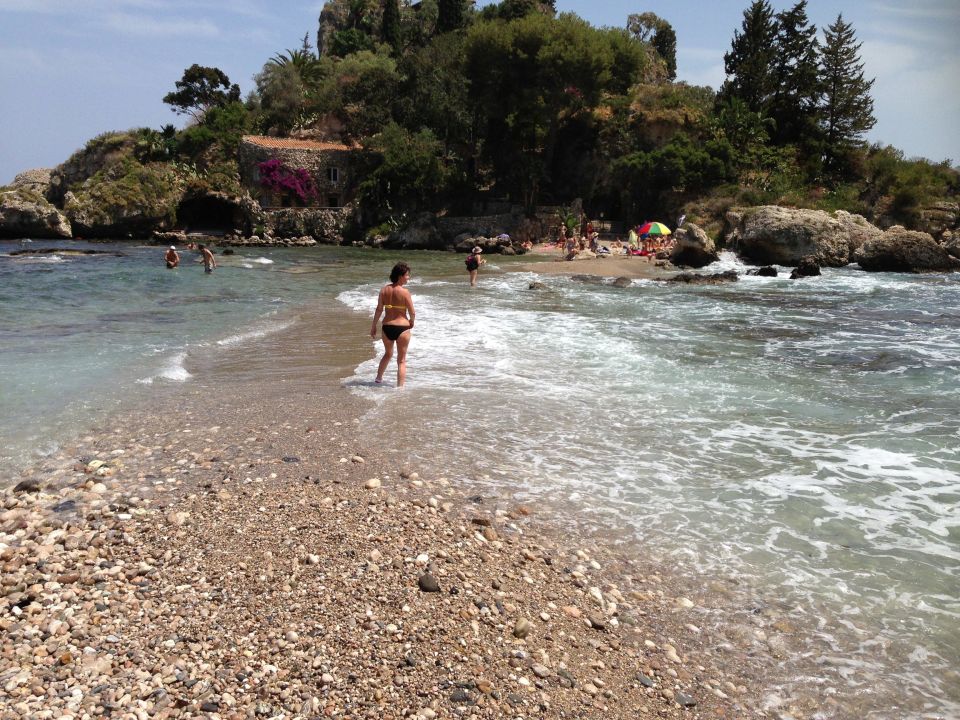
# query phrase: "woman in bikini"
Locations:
[[396, 304]]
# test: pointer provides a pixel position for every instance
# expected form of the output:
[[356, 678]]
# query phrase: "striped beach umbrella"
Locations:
[[653, 228]]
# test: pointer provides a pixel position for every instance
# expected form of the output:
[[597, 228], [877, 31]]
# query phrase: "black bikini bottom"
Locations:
[[394, 331]]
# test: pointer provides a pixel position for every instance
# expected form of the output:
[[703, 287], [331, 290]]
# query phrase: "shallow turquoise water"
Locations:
[[798, 436]]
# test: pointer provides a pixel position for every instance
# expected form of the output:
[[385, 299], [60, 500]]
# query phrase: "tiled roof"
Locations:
[[292, 144]]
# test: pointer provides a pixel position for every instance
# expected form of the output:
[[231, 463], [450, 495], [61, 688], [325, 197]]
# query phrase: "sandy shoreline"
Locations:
[[549, 262], [242, 552]]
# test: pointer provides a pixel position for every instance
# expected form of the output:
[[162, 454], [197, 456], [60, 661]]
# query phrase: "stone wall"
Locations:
[[316, 162], [324, 225]]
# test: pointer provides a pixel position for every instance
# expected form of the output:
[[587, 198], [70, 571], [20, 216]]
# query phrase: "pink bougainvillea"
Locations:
[[274, 175]]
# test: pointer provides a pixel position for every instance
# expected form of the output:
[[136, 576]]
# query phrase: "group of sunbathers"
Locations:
[[640, 245]]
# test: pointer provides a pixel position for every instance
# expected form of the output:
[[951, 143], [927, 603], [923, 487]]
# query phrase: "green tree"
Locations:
[[434, 92], [665, 43], [749, 64], [451, 15], [794, 106], [349, 41], [283, 97], [390, 24], [361, 90], [200, 89], [527, 78], [410, 177], [847, 108], [643, 26]]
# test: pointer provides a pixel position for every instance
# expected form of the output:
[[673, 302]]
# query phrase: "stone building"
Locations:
[[333, 167]]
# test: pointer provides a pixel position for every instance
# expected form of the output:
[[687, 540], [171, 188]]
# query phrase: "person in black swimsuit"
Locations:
[[396, 304]]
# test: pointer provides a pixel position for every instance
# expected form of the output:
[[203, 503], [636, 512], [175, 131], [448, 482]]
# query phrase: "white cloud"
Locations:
[[142, 25]]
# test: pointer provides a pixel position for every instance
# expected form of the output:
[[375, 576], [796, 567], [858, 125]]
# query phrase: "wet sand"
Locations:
[[243, 547]]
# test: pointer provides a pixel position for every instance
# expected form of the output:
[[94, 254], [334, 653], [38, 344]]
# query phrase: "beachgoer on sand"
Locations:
[[473, 263], [396, 304], [172, 257], [209, 261]]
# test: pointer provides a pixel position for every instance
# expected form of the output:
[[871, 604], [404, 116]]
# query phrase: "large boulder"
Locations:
[[421, 234], [951, 243], [26, 213], [858, 230], [693, 247], [939, 219], [902, 250], [777, 235]]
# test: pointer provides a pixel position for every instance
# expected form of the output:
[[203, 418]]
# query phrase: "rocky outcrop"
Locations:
[[859, 230], [807, 267], [939, 219], [421, 234], [765, 271], [325, 226], [693, 247], [902, 250], [25, 213], [776, 235], [951, 243]]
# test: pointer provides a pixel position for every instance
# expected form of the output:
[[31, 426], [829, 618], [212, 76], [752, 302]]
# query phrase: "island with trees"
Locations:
[[512, 111]]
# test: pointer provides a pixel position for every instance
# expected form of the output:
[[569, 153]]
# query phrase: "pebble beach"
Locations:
[[249, 551]]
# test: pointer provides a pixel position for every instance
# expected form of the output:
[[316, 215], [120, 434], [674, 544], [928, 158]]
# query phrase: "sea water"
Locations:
[[798, 436]]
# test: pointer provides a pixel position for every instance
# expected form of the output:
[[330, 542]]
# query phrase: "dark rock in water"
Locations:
[[590, 279], [30, 485], [428, 583], [65, 506], [685, 700], [536, 285], [701, 279], [228, 251], [622, 282], [765, 271], [807, 267]]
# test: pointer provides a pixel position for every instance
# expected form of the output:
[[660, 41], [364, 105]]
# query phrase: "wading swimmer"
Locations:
[[172, 258], [396, 304], [474, 261], [209, 261]]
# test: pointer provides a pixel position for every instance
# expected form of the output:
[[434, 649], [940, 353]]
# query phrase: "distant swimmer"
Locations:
[[172, 258], [396, 304], [209, 261]]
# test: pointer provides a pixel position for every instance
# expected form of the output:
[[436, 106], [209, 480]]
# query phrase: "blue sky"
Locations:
[[73, 69]]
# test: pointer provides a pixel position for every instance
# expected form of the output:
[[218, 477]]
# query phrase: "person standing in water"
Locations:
[[396, 304], [474, 261], [172, 258], [209, 261]]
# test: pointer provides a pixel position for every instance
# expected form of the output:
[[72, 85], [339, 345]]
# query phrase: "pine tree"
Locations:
[[450, 15], [847, 108], [749, 63], [390, 24], [665, 43], [796, 76]]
